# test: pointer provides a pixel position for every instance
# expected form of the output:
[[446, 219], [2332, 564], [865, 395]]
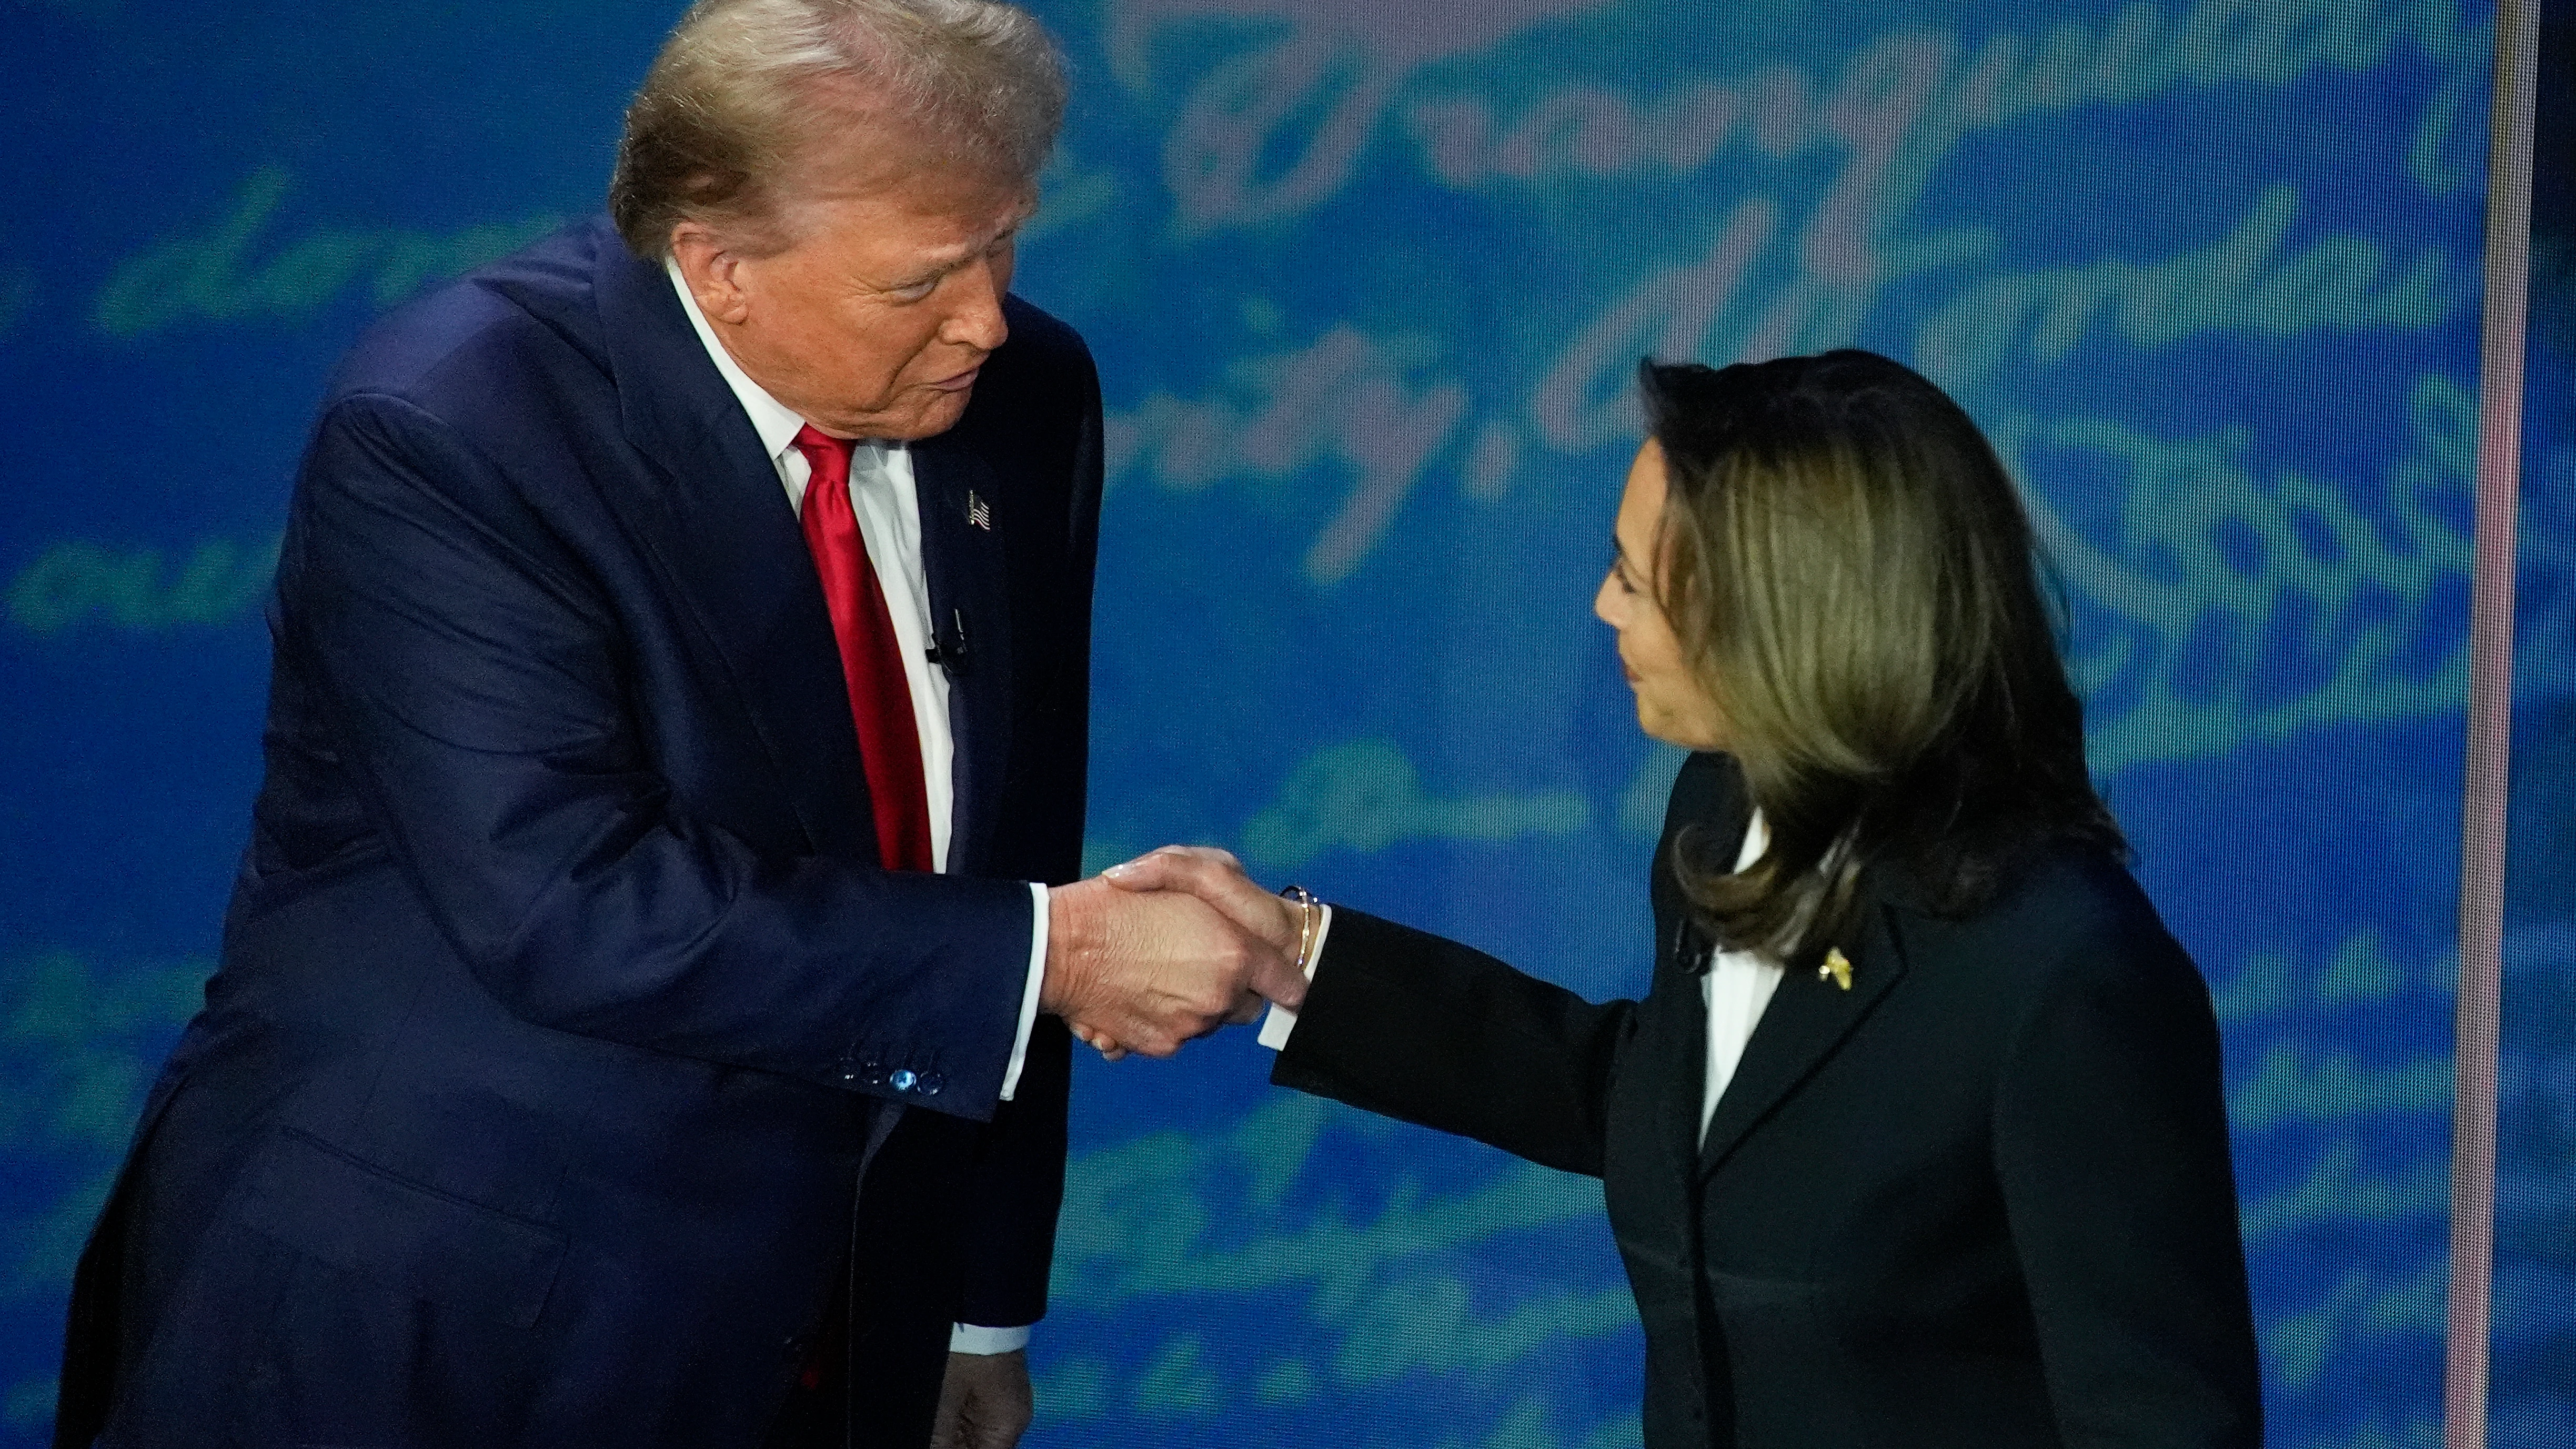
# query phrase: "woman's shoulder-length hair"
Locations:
[[1854, 579]]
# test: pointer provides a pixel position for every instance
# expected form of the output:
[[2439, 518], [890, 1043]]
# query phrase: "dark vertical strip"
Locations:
[[2482, 824]]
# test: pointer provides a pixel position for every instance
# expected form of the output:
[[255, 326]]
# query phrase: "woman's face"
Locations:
[[1672, 705]]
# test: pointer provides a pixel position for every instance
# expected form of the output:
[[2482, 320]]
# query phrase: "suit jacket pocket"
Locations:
[[322, 1202]]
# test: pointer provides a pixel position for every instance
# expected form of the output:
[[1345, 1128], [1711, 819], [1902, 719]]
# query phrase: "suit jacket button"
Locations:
[[931, 1082], [903, 1079]]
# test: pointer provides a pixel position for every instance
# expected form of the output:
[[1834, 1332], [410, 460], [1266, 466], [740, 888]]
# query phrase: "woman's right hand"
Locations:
[[1218, 879]]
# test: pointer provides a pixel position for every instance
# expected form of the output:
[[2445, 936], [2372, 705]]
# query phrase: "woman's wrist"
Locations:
[[1310, 918]]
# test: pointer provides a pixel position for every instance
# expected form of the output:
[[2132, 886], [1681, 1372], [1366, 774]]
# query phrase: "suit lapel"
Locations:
[[1708, 798], [1684, 1033], [963, 515], [721, 530], [1706, 806], [1808, 1018]]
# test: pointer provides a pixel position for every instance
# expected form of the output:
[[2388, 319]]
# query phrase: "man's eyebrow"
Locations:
[[949, 259]]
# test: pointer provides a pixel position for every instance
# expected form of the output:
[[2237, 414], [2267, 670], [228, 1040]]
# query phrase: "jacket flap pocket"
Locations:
[[323, 1202]]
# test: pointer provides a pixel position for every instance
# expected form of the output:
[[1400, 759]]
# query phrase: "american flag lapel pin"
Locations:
[[978, 512]]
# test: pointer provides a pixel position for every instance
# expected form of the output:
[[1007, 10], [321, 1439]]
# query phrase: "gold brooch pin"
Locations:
[[1835, 968]]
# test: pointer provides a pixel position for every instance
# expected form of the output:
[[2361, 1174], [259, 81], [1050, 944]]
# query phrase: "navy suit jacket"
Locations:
[[563, 999]]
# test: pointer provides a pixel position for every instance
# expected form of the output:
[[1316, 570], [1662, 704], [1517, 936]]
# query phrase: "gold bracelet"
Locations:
[[1310, 914]]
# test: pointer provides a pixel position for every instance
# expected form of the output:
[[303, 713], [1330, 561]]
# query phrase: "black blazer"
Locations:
[[1980, 1198], [562, 996]]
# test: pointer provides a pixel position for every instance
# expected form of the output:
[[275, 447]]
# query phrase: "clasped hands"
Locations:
[[1166, 948]]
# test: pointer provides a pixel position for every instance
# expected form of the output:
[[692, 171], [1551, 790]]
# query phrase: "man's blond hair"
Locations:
[[746, 92]]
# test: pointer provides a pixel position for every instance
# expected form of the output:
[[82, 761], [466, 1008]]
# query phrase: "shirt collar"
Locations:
[[1757, 839], [775, 421]]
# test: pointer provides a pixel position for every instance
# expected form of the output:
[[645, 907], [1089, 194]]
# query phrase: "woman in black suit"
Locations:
[[1916, 1139]]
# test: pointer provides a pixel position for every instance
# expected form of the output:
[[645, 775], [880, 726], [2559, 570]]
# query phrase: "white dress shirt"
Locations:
[[1735, 989], [888, 505]]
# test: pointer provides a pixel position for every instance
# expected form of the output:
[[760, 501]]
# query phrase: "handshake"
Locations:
[[1168, 947]]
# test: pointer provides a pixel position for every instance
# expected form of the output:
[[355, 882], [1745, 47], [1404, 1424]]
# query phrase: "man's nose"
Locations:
[[977, 320]]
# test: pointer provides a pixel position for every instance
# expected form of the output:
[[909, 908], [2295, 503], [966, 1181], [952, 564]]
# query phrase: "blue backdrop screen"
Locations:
[[2535, 1316], [1366, 282]]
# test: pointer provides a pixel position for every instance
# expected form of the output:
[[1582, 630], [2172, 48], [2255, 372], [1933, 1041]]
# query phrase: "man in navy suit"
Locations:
[[642, 1011]]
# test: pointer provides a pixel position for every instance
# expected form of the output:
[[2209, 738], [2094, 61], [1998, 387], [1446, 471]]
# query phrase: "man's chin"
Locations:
[[931, 417]]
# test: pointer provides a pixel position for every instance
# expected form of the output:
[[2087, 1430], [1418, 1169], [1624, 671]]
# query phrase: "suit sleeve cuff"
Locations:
[[976, 1339], [1281, 1021], [1028, 1021]]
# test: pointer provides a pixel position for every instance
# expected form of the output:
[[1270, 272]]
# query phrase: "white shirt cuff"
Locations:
[[1028, 1021], [973, 1338], [1281, 1021]]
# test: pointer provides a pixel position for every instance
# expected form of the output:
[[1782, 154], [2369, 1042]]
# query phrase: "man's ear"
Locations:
[[712, 271]]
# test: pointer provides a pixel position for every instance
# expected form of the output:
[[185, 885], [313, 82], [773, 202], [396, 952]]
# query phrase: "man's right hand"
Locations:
[[1150, 971]]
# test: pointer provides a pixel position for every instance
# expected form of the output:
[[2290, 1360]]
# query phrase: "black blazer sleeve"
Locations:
[[1410, 1025], [2136, 1279]]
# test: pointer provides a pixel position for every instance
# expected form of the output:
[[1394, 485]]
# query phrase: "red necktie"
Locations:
[[871, 659]]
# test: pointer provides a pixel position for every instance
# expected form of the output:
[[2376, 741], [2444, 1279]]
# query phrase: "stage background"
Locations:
[[2535, 1306], [1366, 282]]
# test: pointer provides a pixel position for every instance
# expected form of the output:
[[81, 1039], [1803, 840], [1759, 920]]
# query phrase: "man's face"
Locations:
[[874, 322]]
